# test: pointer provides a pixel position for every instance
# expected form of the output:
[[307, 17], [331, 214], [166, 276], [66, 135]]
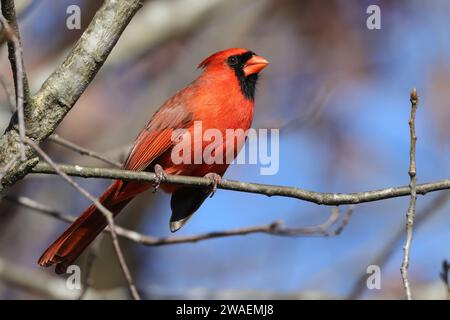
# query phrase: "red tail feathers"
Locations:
[[66, 249]]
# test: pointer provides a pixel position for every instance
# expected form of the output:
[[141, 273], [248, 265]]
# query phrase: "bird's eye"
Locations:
[[233, 60]]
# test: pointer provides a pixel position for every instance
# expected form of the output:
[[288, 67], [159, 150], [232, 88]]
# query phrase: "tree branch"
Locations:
[[64, 86], [412, 202], [274, 228], [329, 199]]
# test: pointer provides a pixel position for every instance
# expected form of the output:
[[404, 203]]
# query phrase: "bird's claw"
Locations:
[[215, 180], [160, 176]]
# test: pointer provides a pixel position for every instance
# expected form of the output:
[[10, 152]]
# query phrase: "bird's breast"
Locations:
[[215, 135]]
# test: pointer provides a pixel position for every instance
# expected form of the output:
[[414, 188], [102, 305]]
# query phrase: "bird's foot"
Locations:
[[215, 180], [160, 176]]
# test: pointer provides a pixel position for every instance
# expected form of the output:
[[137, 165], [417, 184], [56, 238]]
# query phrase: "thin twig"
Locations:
[[329, 199], [345, 220], [274, 228], [108, 215], [81, 150], [19, 71], [39, 207], [412, 202]]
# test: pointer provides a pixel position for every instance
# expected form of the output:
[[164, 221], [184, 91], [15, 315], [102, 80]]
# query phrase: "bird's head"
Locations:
[[243, 63]]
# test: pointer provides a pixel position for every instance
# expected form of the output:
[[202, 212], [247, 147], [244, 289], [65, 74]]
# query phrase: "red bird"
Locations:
[[221, 98]]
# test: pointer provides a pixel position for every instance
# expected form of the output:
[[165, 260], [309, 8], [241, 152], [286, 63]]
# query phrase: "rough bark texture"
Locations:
[[48, 107]]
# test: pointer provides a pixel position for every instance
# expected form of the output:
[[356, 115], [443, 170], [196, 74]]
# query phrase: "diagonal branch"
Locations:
[[108, 215]]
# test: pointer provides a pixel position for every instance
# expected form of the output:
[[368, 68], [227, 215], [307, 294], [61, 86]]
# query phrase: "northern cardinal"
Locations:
[[222, 97]]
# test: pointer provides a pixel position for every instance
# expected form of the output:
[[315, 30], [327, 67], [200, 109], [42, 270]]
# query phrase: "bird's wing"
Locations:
[[156, 137]]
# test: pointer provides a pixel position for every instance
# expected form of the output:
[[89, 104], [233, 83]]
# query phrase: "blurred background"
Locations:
[[338, 92]]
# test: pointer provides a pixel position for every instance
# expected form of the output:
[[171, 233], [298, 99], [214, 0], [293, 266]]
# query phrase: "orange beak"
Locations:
[[254, 65]]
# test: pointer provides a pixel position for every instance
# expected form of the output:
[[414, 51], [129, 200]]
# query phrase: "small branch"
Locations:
[[39, 207], [345, 220], [274, 228], [108, 215], [329, 199], [444, 276], [412, 203], [19, 78], [81, 150]]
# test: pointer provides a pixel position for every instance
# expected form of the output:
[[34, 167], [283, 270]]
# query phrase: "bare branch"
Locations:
[[81, 150], [413, 189], [329, 199], [40, 207], [274, 228], [108, 215]]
